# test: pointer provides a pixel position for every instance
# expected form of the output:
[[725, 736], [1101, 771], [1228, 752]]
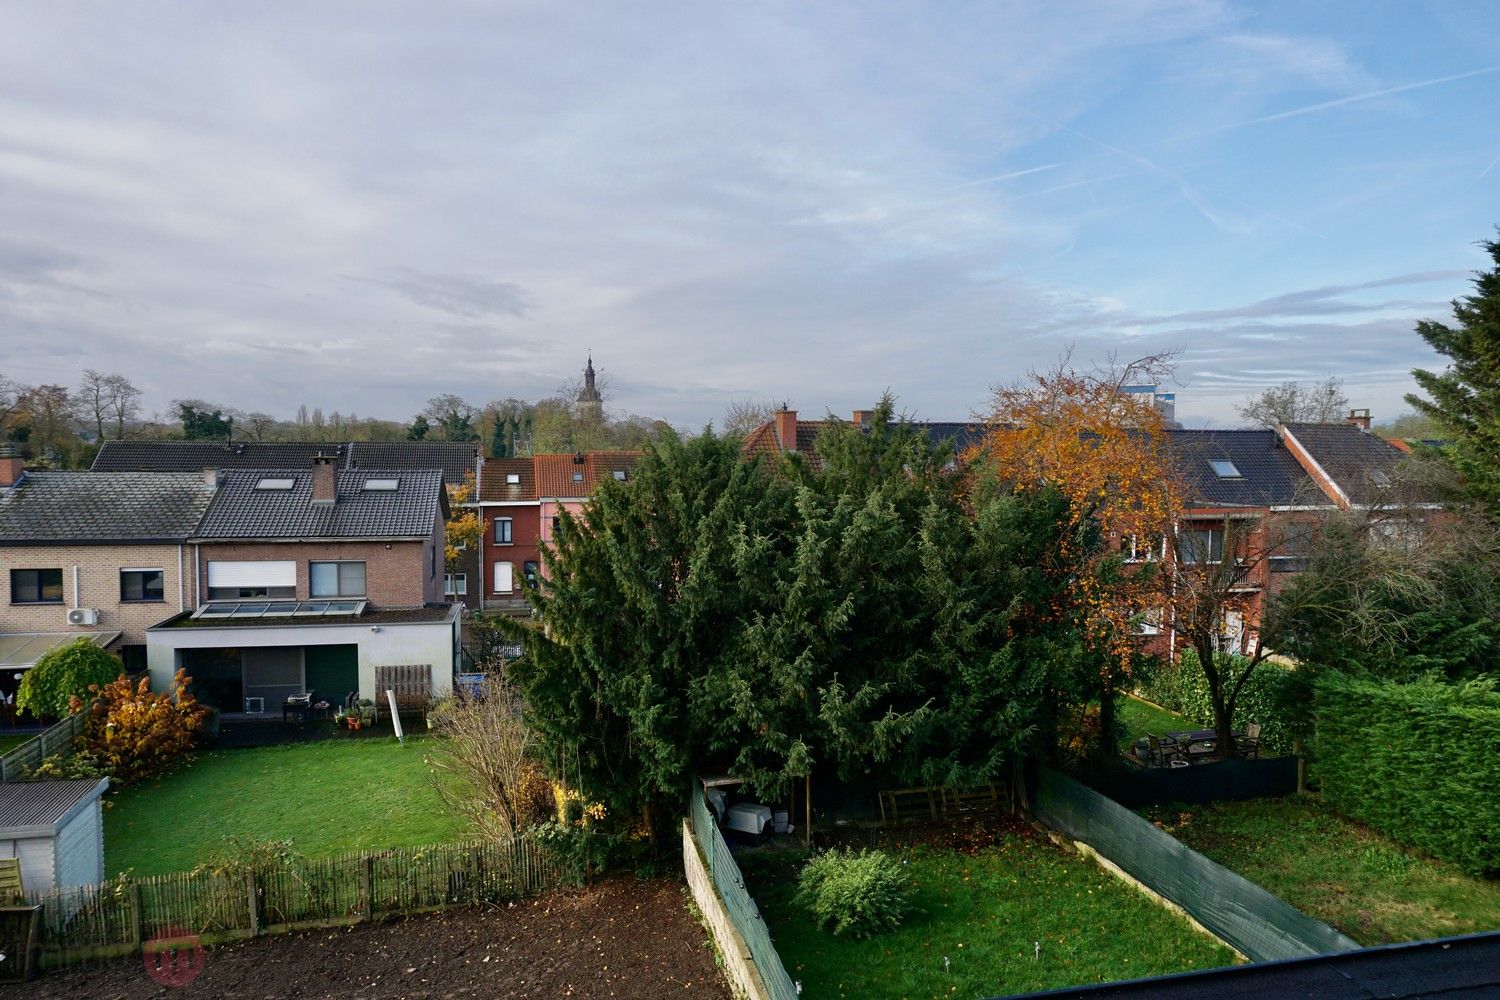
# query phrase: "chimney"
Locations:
[[863, 417], [786, 428], [325, 478], [12, 466], [1360, 419], [211, 477]]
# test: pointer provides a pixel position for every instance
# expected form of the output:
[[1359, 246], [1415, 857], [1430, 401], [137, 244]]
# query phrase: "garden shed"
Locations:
[[56, 829]]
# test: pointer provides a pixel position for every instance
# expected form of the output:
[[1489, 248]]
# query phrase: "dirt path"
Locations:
[[623, 938]]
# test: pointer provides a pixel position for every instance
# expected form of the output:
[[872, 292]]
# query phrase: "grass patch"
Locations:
[[326, 797], [1139, 718], [1339, 871], [985, 912], [9, 741]]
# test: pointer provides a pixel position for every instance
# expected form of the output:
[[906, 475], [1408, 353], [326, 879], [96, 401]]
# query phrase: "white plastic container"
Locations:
[[748, 818]]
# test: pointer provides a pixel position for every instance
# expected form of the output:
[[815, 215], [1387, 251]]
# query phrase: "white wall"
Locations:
[[80, 848], [391, 645], [37, 868]]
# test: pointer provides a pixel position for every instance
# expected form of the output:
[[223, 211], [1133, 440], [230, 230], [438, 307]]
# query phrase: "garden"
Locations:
[[994, 908], [316, 799], [1345, 874]]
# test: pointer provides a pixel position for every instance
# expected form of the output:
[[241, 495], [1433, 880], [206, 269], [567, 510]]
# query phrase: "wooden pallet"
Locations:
[[936, 801]]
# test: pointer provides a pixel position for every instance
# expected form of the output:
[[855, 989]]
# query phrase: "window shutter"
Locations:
[[503, 578]]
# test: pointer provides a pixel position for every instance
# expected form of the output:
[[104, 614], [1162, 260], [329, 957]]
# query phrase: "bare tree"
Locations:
[[1297, 403], [124, 401], [258, 426], [93, 399], [50, 411], [744, 415], [482, 757], [11, 394]]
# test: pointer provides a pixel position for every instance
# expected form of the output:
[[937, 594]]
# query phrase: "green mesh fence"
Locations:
[[1258, 924], [738, 902]]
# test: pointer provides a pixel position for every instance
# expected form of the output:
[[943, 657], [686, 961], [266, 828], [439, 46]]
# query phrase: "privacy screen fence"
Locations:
[[737, 902], [121, 916], [1254, 922]]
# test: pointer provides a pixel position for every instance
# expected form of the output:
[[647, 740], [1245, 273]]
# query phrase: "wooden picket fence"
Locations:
[[125, 916]]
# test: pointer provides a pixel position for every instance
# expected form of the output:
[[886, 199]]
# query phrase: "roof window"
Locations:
[[577, 477], [1224, 468], [381, 485], [275, 484], [512, 479], [619, 475]]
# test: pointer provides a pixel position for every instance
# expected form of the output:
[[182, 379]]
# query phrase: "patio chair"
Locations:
[[1164, 754], [1249, 744]]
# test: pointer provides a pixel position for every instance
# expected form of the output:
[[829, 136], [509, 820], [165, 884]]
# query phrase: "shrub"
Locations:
[[1268, 697], [134, 733], [65, 673], [1420, 762], [861, 893]]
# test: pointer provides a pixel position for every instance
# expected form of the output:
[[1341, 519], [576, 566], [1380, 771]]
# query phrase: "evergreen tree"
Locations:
[[418, 429], [1464, 399]]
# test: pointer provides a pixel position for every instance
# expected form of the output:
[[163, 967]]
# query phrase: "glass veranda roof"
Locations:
[[239, 610], [22, 649]]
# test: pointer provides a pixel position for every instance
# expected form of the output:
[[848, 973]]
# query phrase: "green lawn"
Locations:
[[1336, 870], [986, 913], [9, 741], [326, 797], [1139, 718]]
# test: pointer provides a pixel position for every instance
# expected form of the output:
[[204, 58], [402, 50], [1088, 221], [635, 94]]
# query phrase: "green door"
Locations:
[[332, 671]]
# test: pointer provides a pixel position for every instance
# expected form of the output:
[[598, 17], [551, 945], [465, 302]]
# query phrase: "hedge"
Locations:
[[1265, 698], [1420, 762]]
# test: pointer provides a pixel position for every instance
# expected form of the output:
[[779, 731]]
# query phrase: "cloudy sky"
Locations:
[[361, 205]]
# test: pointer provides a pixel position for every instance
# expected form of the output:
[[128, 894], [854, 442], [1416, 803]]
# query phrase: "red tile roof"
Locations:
[[551, 475]]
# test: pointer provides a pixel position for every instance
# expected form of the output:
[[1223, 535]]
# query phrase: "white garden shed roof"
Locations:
[[42, 808]]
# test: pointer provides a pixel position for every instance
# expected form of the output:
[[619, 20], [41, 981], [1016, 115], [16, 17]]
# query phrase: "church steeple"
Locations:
[[590, 400]]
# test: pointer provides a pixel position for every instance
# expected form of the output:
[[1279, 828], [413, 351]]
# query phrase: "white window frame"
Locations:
[[456, 585], [510, 531]]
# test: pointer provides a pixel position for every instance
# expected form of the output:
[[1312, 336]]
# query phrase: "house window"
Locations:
[[456, 584], [142, 585], [502, 531], [1292, 554], [1224, 468], [381, 485], [1138, 549], [337, 579], [1149, 623], [512, 479], [1202, 545], [1396, 533], [228, 581], [529, 567], [504, 577], [36, 586], [556, 525]]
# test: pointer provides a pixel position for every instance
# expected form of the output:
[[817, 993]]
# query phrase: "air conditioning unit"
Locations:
[[255, 706], [83, 616]]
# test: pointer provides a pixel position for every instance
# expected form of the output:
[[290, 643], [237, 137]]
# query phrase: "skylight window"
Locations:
[[381, 485], [619, 475], [1224, 468], [1379, 478], [275, 484], [512, 479], [577, 477], [278, 609]]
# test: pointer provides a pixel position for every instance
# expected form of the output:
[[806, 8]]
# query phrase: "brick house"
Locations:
[[521, 501], [317, 579], [102, 555]]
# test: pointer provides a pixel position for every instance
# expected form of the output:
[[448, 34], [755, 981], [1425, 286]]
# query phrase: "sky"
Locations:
[[359, 206]]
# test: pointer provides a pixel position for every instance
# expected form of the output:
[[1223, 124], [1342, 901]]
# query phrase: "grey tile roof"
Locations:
[[454, 458], [242, 511], [60, 507], [1353, 458], [37, 807], [1270, 475], [188, 456]]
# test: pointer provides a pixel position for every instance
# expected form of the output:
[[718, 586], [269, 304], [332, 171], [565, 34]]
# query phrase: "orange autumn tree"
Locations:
[[463, 529], [1081, 434]]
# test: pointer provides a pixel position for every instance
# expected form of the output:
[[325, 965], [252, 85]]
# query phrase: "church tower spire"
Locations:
[[590, 403]]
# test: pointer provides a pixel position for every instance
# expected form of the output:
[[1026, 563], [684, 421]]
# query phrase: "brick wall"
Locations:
[[98, 587], [525, 530], [397, 574]]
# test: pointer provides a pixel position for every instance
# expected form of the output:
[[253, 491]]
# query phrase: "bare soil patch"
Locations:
[[623, 938]]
